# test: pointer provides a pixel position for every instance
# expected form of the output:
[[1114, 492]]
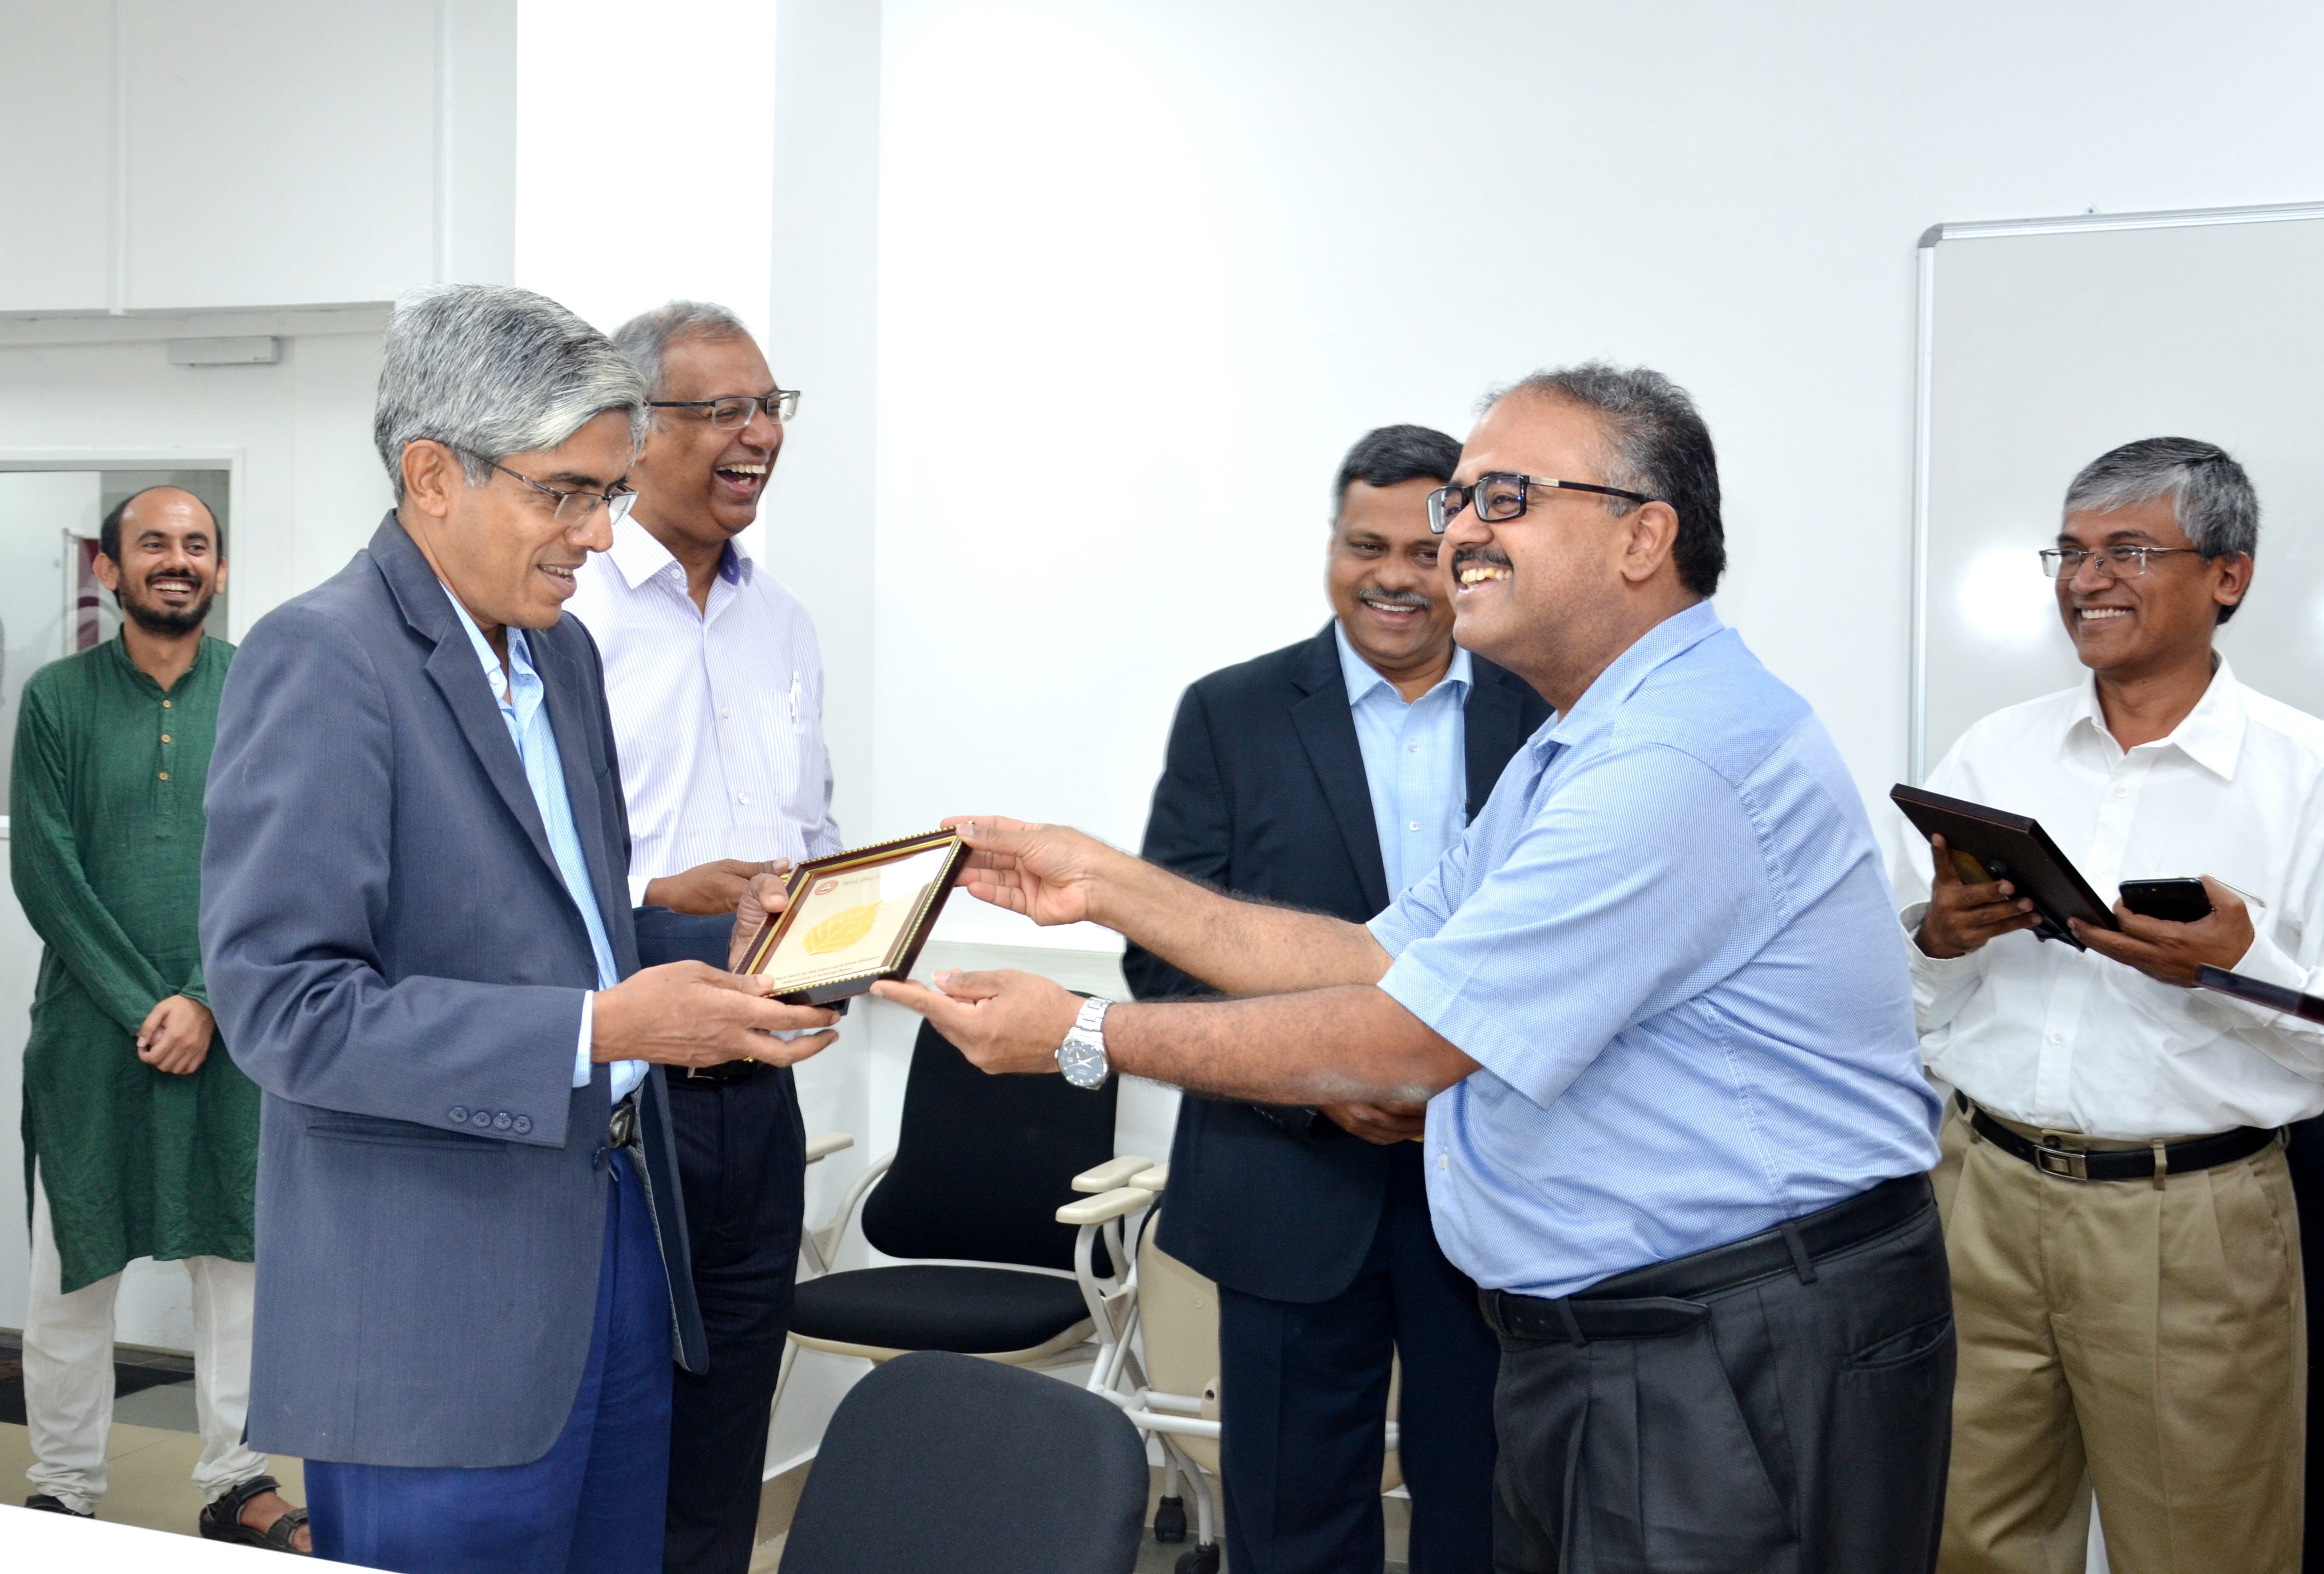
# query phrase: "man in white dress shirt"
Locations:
[[716, 692], [2124, 1248]]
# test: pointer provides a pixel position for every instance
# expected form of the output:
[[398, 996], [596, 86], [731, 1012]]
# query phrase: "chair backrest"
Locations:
[[983, 1163], [939, 1461]]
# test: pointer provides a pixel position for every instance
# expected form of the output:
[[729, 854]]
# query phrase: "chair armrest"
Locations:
[[821, 1246], [1114, 1172], [1153, 1180], [822, 1145], [1113, 1204]]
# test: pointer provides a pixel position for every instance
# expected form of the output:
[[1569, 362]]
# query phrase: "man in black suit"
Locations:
[[1329, 775]]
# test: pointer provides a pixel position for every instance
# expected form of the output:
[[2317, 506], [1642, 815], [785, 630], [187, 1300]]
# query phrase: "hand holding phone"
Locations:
[[2174, 901]]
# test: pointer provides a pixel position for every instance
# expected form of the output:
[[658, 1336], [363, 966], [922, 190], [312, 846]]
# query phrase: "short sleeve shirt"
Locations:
[[1667, 943]]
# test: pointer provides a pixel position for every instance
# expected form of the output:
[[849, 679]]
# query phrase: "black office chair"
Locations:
[[980, 1165], [943, 1461]]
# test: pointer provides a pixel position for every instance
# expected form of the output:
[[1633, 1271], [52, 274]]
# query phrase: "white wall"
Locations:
[[1145, 271]]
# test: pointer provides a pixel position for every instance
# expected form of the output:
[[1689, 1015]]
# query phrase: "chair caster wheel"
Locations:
[[1203, 1560], [1170, 1520]]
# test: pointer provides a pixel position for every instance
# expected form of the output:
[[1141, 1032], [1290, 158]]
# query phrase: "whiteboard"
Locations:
[[2043, 343]]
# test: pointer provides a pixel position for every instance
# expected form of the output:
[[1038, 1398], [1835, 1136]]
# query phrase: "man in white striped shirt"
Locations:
[[716, 692]]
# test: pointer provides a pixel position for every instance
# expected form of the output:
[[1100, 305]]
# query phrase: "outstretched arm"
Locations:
[[1054, 874], [1341, 1045]]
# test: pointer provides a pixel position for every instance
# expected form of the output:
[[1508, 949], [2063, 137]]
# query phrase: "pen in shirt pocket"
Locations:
[[795, 697]]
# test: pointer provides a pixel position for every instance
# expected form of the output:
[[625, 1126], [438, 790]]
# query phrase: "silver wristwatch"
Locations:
[[1082, 1056]]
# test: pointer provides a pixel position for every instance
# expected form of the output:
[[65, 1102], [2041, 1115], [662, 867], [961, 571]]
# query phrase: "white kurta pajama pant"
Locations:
[[69, 1373]]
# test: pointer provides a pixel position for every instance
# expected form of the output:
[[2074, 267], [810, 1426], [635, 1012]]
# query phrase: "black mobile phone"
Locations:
[[2175, 901]]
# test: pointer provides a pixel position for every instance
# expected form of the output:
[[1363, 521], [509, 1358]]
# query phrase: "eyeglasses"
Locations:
[[2111, 562], [574, 508], [735, 410], [1503, 495]]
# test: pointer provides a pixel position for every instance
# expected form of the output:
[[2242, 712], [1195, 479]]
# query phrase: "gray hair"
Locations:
[[1655, 443], [489, 370], [2211, 497], [646, 338]]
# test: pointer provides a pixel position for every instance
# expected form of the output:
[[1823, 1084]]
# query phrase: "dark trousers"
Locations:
[[1801, 1428], [1304, 1393], [591, 1506], [2305, 1155], [741, 1164]]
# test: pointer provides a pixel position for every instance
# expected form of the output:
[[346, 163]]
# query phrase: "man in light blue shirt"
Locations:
[[1678, 1129]]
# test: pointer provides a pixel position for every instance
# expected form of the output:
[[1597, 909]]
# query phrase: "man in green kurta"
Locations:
[[141, 1134]]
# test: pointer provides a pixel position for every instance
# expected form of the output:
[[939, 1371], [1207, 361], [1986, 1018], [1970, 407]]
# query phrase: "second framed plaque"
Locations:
[[856, 918]]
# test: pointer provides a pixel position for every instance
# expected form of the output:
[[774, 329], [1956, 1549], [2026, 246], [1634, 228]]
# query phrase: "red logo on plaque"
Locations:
[[826, 888]]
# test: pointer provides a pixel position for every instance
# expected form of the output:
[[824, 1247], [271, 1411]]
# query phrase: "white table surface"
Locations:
[[31, 1540]]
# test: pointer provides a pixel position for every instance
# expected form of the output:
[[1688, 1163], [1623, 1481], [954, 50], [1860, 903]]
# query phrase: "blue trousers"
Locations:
[[592, 1505]]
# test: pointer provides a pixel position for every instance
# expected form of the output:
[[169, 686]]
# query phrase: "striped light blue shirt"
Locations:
[[1666, 941], [1415, 762], [519, 694]]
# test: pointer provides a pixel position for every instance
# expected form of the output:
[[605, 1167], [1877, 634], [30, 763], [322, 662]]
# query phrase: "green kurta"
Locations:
[[104, 843]]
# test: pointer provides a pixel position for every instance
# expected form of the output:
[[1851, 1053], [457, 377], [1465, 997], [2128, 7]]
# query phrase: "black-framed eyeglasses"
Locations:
[[1503, 494], [2111, 562], [574, 509], [735, 410]]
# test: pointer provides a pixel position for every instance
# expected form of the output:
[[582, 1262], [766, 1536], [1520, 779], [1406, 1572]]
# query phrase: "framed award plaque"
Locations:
[[856, 918]]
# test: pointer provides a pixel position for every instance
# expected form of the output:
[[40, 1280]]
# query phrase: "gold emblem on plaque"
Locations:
[[841, 929]]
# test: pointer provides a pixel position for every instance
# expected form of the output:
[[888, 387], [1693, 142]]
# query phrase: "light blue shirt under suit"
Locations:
[[1667, 943], [1415, 762], [519, 695]]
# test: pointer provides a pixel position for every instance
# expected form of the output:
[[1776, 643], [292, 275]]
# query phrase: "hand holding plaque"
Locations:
[[855, 917]]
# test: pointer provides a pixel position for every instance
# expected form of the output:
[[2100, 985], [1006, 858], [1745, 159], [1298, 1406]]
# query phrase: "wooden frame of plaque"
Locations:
[[856, 918]]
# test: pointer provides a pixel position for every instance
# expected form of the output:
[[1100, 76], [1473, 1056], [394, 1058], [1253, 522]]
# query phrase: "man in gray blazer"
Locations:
[[417, 931]]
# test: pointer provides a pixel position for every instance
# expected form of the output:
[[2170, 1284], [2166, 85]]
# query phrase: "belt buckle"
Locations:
[[2053, 1156]]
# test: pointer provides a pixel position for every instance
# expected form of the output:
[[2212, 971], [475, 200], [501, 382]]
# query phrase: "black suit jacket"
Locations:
[[1264, 794]]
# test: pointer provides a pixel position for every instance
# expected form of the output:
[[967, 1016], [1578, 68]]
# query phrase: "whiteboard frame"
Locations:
[[1924, 387]]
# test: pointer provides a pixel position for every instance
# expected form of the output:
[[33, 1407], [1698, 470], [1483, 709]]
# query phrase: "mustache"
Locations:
[[1468, 555], [1394, 598]]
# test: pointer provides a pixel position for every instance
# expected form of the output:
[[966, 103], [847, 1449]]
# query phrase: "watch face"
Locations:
[[1082, 1061]]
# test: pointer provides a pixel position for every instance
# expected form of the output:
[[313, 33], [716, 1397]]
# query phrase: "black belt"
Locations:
[[621, 1130], [1664, 1298], [718, 1076], [2127, 1163]]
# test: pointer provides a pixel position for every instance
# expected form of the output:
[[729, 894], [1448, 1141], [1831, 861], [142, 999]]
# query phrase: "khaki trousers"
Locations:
[[2151, 1342]]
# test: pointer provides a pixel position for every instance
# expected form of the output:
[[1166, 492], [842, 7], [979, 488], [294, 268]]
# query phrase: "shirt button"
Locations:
[[165, 705], [742, 798], [2057, 1038], [165, 776], [165, 737], [1443, 1162], [1416, 825], [1412, 748], [724, 713]]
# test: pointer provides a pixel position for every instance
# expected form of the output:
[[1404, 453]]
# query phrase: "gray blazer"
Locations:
[[394, 960]]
